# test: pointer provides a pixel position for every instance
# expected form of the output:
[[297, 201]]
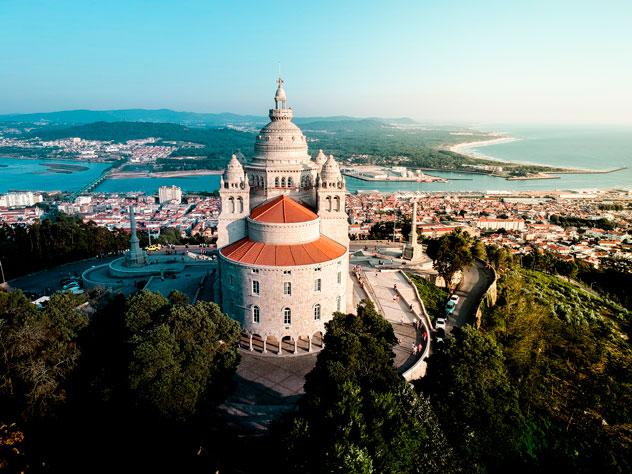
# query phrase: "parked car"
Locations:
[[449, 308], [65, 281], [153, 248], [440, 324], [74, 291], [454, 298], [71, 285]]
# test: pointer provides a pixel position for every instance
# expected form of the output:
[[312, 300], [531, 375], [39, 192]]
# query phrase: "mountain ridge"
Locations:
[[84, 116]]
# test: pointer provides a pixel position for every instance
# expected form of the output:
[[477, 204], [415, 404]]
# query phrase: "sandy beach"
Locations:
[[463, 147]]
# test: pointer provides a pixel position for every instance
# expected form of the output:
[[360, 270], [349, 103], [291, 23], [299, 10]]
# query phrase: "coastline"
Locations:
[[162, 174], [463, 149]]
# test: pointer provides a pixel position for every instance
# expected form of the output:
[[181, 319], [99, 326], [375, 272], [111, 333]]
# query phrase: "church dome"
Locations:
[[320, 158], [331, 171], [280, 142], [234, 171]]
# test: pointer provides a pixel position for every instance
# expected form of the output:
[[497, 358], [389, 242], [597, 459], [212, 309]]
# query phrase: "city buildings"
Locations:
[[20, 199], [169, 194]]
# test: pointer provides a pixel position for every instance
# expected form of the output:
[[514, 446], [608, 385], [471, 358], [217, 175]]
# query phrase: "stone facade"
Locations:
[[283, 278]]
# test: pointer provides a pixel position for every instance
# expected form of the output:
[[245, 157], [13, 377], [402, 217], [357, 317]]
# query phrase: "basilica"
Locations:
[[283, 239]]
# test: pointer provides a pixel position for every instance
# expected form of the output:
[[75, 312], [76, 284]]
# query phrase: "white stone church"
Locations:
[[283, 239]]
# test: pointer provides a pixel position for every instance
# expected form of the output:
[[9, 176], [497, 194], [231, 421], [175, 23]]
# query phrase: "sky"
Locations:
[[442, 61]]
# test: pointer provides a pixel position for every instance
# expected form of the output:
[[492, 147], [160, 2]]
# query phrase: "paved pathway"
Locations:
[[395, 295], [265, 387]]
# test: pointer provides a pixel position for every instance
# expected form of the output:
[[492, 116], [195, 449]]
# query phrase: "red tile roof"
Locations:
[[282, 210], [250, 252]]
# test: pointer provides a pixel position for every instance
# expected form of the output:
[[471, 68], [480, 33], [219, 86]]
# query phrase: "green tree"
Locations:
[[472, 394], [358, 414], [181, 354], [479, 251], [39, 351], [453, 254]]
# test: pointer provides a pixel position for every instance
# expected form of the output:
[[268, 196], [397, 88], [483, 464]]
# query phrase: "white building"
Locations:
[[20, 199], [283, 239], [489, 223], [169, 194]]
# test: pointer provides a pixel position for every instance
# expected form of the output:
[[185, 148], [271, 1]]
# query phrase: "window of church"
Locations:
[[339, 278], [287, 316], [287, 272], [255, 314], [317, 284], [287, 288], [255, 287], [338, 303], [255, 270], [317, 312]]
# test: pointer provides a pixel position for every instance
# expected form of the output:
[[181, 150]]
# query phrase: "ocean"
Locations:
[[594, 148]]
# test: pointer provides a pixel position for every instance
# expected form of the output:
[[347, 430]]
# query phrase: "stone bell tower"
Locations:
[[330, 190], [234, 193]]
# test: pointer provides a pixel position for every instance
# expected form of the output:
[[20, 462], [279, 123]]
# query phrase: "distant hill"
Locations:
[[75, 117], [69, 117], [219, 141]]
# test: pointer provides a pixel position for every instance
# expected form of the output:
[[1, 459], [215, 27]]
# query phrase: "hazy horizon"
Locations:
[[490, 63]]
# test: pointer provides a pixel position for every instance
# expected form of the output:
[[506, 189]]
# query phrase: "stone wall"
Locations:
[[239, 299]]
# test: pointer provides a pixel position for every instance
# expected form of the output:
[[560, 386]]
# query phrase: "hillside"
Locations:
[[77, 117], [351, 140], [545, 385], [72, 117], [219, 139]]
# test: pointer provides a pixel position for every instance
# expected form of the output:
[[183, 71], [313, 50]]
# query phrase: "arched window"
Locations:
[[287, 316], [276, 182], [231, 202], [255, 287], [241, 204], [287, 288], [255, 314], [317, 284], [282, 182], [337, 201], [317, 312], [290, 182], [328, 203], [338, 303]]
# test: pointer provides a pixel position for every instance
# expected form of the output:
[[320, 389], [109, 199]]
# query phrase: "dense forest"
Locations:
[[56, 240], [62, 238], [136, 384]]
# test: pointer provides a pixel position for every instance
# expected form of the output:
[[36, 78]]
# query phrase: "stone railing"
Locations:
[[418, 369]]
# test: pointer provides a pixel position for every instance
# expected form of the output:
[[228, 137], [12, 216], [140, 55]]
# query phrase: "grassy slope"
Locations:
[[434, 298]]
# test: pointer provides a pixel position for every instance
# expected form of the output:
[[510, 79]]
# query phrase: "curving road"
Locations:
[[476, 280]]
